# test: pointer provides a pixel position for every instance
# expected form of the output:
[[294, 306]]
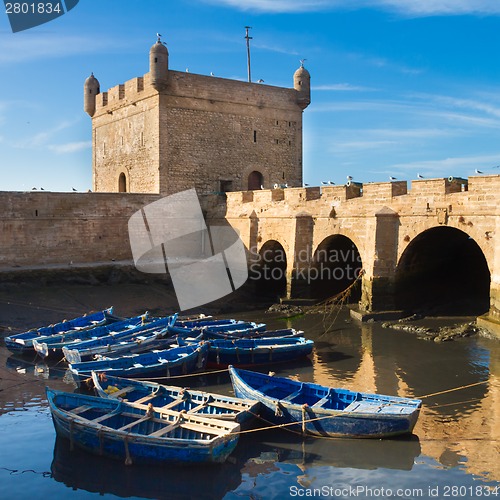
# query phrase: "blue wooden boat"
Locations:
[[205, 404], [165, 363], [52, 346], [325, 411], [113, 428], [137, 339], [252, 334], [23, 342], [220, 326], [251, 352]]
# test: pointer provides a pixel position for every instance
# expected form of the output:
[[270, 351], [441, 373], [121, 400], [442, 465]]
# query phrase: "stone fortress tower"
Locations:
[[168, 131]]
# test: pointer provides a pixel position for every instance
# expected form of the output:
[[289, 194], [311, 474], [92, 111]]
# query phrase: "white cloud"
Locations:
[[41, 139], [70, 147], [485, 163], [440, 7], [404, 7], [277, 5]]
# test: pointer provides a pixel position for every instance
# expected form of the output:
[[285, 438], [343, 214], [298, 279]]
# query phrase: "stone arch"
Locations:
[[255, 180], [336, 264], [443, 270], [123, 183], [270, 269]]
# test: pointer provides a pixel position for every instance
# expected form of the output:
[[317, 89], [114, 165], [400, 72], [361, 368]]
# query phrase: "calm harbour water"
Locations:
[[454, 452]]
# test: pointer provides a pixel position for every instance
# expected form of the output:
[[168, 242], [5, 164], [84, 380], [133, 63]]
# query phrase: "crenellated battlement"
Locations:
[[183, 85], [425, 195]]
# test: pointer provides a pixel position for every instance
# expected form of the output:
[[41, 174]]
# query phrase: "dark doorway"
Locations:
[[270, 271], [122, 183], [336, 266], [255, 181], [443, 271]]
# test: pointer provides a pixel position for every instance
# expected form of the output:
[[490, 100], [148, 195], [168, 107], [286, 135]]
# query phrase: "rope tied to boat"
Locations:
[[278, 412], [304, 416], [128, 458]]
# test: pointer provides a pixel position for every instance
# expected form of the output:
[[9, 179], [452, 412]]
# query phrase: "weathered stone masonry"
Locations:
[[168, 131]]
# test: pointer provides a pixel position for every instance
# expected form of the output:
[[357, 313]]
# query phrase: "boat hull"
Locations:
[[369, 421], [167, 363], [251, 352], [22, 343], [135, 448]]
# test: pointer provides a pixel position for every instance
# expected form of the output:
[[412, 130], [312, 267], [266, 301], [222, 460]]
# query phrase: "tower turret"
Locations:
[[302, 84], [158, 64], [90, 90]]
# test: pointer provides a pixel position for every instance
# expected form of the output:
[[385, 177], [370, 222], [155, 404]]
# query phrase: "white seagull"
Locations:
[[324, 182], [349, 177], [478, 171], [420, 176], [392, 178]]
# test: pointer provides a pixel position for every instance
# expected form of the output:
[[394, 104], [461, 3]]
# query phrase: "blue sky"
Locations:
[[398, 86]]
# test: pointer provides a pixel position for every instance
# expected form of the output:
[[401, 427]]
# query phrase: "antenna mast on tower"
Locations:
[[248, 38]]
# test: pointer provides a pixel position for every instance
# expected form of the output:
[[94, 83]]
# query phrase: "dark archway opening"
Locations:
[[336, 266], [443, 271], [270, 271], [122, 183], [255, 181]]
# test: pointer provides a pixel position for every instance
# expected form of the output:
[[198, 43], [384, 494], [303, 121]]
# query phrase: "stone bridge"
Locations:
[[435, 243]]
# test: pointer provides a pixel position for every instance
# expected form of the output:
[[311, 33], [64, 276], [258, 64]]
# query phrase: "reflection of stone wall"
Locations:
[[455, 435]]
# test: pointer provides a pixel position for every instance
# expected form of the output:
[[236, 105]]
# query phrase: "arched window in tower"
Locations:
[[122, 183], [255, 181]]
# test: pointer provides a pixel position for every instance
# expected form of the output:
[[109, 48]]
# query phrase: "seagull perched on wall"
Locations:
[[212, 73], [349, 177], [420, 176], [33, 189], [392, 178], [41, 189], [324, 182], [331, 183], [478, 171], [73, 189]]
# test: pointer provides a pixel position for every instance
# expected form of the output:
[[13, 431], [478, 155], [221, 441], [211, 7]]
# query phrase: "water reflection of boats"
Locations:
[[101, 475], [341, 453], [37, 368]]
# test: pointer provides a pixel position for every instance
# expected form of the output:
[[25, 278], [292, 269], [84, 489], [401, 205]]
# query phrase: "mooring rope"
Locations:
[[454, 389], [194, 374]]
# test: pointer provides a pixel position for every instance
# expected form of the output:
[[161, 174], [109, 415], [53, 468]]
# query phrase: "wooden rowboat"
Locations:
[[113, 428], [325, 411], [219, 326], [165, 363], [128, 340], [205, 404], [23, 342], [52, 346], [250, 352]]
